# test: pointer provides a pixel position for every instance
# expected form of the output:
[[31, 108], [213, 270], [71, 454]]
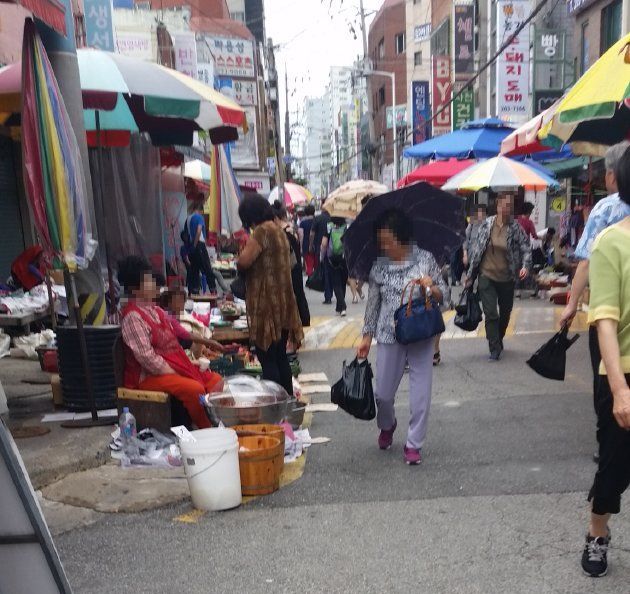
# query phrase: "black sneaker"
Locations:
[[595, 556]]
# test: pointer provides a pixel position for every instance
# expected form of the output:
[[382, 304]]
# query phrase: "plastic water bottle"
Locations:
[[127, 425]]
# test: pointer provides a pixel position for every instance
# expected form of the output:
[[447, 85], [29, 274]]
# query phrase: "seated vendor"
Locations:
[[154, 359], [28, 269]]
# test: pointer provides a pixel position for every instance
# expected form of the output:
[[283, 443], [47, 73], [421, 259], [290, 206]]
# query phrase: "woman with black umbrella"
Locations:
[[401, 261]]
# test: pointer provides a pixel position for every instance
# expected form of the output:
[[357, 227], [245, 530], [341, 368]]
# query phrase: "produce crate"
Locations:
[[227, 365]]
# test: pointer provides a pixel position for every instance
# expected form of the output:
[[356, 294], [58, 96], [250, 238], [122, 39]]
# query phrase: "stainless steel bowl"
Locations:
[[295, 414], [239, 410]]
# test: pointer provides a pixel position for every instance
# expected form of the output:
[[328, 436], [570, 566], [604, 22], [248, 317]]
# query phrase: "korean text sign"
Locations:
[[99, 31], [232, 57], [421, 109], [464, 36], [513, 64], [442, 88]]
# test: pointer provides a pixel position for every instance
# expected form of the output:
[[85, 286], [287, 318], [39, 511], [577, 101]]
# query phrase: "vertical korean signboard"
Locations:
[[185, 48], [442, 88], [99, 31], [513, 65], [463, 106], [464, 40], [421, 111]]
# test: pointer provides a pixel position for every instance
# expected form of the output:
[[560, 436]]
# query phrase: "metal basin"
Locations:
[[236, 411]]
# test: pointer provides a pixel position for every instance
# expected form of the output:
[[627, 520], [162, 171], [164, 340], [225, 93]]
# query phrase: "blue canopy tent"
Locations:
[[478, 139]]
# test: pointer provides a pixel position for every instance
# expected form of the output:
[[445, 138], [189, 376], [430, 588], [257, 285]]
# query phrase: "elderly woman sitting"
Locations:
[[154, 358]]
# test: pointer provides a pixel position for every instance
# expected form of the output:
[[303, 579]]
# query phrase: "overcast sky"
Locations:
[[311, 41]]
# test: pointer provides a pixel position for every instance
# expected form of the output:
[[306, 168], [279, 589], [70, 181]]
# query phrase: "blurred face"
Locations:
[[388, 244], [505, 206], [611, 182], [480, 215], [177, 302], [148, 290]]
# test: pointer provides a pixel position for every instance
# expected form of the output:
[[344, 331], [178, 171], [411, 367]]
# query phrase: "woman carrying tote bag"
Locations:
[[401, 263]]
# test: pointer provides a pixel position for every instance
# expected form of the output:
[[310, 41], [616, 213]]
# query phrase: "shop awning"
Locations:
[[51, 12], [569, 167]]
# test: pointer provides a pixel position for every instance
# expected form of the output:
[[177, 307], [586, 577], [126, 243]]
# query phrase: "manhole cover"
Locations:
[[25, 432]]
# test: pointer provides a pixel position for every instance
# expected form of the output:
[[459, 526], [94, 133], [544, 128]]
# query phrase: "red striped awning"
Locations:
[[51, 12]]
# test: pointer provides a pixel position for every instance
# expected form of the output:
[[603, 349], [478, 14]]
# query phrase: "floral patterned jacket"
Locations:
[[518, 244]]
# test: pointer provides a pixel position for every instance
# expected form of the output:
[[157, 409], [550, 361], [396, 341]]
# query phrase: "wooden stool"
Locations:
[[151, 409]]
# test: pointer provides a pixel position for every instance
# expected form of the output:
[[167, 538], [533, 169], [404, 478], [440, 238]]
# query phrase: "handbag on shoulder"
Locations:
[[418, 319]]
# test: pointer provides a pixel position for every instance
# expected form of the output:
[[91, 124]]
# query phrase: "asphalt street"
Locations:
[[498, 504]]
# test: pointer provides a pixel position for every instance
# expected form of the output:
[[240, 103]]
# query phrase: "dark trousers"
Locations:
[[200, 263], [497, 300], [596, 357], [613, 473], [275, 363], [339, 276], [328, 281]]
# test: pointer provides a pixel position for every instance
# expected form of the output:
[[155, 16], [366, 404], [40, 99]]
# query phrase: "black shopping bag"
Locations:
[[468, 310], [353, 392], [551, 358], [315, 282]]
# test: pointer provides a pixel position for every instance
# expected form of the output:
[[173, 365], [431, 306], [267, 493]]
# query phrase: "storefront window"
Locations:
[[611, 25], [584, 49]]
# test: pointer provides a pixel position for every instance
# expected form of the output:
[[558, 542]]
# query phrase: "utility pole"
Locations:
[[370, 107], [287, 126]]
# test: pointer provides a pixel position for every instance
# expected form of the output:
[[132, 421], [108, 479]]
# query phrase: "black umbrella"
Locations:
[[438, 225]]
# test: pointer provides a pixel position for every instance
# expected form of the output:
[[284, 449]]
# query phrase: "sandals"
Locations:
[[437, 359]]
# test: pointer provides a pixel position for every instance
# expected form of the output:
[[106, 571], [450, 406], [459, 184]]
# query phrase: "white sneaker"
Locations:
[[343, 313]]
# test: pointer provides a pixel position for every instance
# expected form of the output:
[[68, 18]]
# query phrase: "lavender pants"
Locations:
[[390, 366]]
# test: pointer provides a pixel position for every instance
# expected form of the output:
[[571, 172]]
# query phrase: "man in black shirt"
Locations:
[[319, 230]]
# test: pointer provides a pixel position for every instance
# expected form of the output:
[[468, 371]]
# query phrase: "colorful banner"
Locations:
[[99, 30], [442, 87], [232, 57], [463, 107], [513, 64], [421, 110], [464, 40], [185, 48], [401, 117]]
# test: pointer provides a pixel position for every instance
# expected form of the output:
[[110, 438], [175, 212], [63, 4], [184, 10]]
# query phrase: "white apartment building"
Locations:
[[315, 163]]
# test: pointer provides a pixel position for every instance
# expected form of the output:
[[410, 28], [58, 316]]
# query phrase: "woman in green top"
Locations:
[[609, 310]]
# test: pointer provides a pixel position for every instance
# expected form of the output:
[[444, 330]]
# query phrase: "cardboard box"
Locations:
[[55, 384], [57, 276]]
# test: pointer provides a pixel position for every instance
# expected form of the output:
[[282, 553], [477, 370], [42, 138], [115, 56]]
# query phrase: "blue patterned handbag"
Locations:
[[418, 319]]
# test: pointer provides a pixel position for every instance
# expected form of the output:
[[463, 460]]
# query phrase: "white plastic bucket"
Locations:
[[211, 465]]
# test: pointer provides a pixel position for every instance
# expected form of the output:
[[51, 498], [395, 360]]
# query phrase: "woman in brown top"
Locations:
[[272, 311]]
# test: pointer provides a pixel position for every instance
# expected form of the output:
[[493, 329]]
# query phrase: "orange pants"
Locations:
[[186, 390]]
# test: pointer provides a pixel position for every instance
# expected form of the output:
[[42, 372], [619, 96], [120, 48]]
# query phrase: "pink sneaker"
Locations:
[[412, 456], [386, 437]]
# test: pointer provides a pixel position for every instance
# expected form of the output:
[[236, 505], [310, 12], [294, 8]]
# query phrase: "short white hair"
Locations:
[[614, 154]]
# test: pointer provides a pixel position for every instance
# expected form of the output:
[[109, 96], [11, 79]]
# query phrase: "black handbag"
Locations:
[[468, 311], [237, 286], [551, 358], [315, 282], [353, 392], [418, 319]]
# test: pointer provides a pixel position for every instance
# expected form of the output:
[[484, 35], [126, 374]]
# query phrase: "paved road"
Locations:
[[498, 505]]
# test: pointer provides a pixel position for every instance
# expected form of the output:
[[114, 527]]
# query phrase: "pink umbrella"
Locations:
[[294, 195]]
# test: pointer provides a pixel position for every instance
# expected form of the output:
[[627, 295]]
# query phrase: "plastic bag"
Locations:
[[468, 310], [315, 282], [551, 358], [25, 345], [353, 392], [150, 448]]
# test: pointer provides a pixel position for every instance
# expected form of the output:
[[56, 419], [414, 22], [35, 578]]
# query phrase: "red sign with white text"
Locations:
[[442, 89]]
